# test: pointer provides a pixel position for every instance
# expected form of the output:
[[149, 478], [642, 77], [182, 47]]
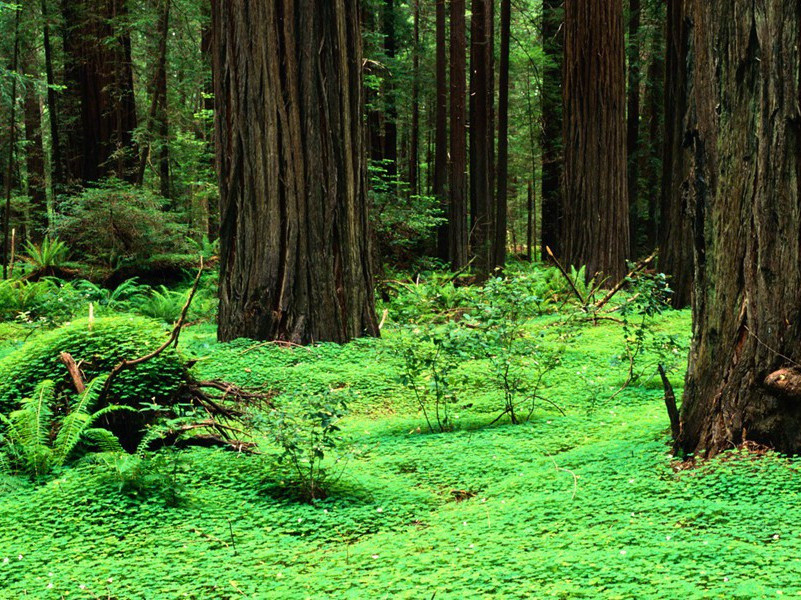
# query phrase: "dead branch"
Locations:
[[172, 339], [566, 276], [670, 403], [640, 266], [74, 371]]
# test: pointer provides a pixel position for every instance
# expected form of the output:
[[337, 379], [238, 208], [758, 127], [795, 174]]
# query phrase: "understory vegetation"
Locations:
[[509, 440]]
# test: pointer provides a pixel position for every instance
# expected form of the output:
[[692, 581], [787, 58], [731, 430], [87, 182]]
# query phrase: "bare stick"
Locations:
[[74, 371], [566, 276], [622, 282], [670, 403], [176, 331]]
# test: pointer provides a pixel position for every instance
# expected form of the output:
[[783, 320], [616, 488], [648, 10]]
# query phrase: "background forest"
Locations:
[[395, 298]]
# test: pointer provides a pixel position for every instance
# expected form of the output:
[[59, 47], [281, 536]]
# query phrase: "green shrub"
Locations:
[[115, 224], [100, 346]]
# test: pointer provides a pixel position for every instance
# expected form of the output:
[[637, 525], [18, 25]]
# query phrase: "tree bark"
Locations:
[[675, 226], [551, 140], [99, 79], [481, 139], [57, 170], [414, 145], [457, 214], [633, 122], [595, 199], [499, 244], [295, 262], [34, 150], [439, 184], [654, 118], [746, 206]]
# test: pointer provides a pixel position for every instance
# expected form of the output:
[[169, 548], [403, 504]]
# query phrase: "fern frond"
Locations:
[[77, 421], [103, 439]]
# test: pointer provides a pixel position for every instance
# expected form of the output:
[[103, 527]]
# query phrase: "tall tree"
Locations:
[[481, 137], [56, 168], [457, 214], [675, 226], [294, 261], [99, 78], [595, 199], [34, 149], [499, 244], [633, 120], [414, 144], [551, 139], [440, 179], [743, 381]]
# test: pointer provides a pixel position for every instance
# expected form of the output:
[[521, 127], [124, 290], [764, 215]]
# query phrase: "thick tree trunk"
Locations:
[[99, 77], [294, 261], [633, 122], [481, 138], [457, 214], [654, 118], [746, 205], [440, 180], [499, 243], [551, 140], [595, 200], [675, 225]]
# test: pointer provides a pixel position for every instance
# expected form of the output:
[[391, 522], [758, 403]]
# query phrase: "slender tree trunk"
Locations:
[[57, 174], [391, 116], [457, 215], [499, 245], [12, 142], [675, 225], [34, 151], [551, 140], [295, 262], [596, 224], [99, 78], [530, 223], [743, 376], [414, 149], [654, 115], [441, 136], [633, 122], [481, 139]]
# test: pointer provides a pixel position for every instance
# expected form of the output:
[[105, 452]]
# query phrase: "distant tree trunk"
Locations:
[[441, 134], [675, 225], [457, 215], [596, 210], [390, 154], [294, 261], [481, 138], [34, 151], [12, 142], [99, 77], [158, 119], [743, 378], [414, 149], [530, 223], [551, 140], [501, 203], [654, 118], [57, 169], [633, 122]]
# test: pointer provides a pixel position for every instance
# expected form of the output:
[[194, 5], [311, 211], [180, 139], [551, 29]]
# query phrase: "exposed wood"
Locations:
[[74, 370], [670, 404], [785, 382]]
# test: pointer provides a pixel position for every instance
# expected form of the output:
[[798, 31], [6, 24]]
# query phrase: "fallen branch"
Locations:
[[172, 339], [640, 266], [566, 276], [74, 370], [670, 403]]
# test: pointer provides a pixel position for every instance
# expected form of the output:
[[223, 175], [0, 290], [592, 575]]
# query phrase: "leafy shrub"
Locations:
[[100, 345], [116, 223], [306, 431], [118, 298], [47, 257], [162, 304], [36, 441], [44, 302]]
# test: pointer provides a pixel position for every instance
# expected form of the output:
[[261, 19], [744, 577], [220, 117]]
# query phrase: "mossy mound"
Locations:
[[98, 348]]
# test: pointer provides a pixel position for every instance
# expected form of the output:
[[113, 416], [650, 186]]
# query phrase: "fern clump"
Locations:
[[98, 346]]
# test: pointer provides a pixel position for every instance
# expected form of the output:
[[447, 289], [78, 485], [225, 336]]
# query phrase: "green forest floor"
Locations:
[[588, 504]]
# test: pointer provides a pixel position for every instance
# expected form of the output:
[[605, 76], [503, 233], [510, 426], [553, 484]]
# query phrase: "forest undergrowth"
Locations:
[[580, 499]]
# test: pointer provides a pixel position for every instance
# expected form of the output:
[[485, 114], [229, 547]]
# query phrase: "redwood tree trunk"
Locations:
[[481, 137], [441, 130], [99, 78], [595, 199], [633, 121], [499, 243], [34, 151], [294, 261], [747, 213], [457, 214], [675, 231], [551, 140]]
